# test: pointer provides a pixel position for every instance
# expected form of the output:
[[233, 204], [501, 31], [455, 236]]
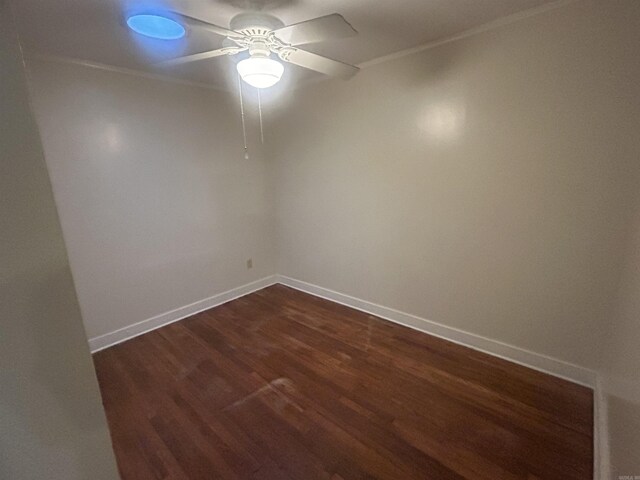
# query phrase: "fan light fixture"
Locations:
[[156, 26], [260, 72]]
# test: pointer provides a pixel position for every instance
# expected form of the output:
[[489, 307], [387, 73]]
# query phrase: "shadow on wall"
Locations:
[[624, 429], [45, 403]]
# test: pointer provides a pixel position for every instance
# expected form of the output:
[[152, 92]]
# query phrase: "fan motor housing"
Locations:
[[255, 23]]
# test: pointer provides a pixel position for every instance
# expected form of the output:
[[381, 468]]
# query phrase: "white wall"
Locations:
[[158, 206], [621, 368], [52, 425], [480, 184]]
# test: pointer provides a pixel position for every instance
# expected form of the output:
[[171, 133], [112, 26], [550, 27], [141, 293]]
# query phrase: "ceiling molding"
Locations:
[[494, 24], [122, 70]]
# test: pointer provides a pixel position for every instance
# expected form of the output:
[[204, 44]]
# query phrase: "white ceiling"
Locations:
[[94, 30]]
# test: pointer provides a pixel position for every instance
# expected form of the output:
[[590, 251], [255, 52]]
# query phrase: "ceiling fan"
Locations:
[[263, 36]]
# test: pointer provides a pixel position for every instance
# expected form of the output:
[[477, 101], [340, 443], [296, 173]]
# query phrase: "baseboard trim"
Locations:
[[601, 459], [536, 361], [543, 363], [118, 336]]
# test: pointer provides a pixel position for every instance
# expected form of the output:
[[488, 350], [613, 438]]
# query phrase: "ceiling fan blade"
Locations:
[[194, 22], [330, 27], [200, 56], [321, 64]]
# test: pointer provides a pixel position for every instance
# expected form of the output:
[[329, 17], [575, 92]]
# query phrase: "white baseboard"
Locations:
[[543, 363], [601, 459], [109, 339]]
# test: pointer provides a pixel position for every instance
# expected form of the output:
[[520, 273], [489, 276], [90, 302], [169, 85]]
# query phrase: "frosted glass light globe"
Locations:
[[260, 72]]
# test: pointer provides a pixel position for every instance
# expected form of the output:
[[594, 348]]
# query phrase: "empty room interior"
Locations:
[[320, 239]]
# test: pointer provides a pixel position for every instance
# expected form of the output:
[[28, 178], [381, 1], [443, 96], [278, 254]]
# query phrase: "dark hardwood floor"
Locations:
[[284, 385]]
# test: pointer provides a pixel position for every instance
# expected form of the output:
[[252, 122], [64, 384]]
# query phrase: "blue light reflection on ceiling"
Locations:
[[156, 26]]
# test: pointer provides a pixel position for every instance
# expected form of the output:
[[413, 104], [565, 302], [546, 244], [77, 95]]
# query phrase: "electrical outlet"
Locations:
[[250, 263]]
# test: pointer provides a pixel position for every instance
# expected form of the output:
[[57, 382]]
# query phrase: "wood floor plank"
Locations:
[[283, 385]]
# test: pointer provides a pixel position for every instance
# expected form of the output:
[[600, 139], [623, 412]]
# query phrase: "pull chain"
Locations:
[[260, 114], [244, 128]]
